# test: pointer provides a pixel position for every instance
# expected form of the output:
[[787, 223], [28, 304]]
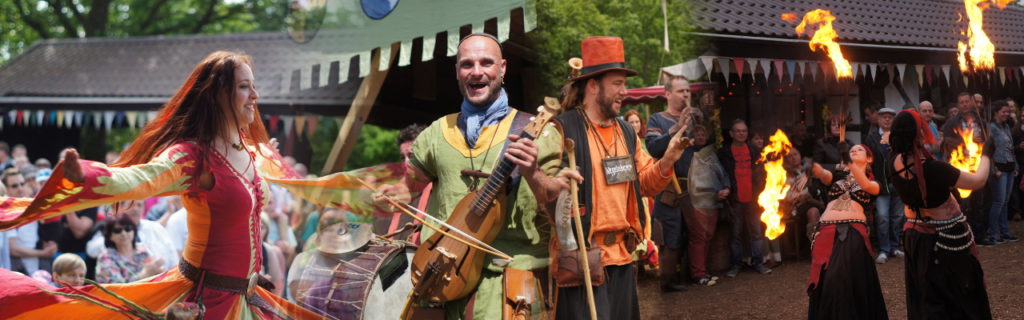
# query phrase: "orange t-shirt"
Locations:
[[615, 206]]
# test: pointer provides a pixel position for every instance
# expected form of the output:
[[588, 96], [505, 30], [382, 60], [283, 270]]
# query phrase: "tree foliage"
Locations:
[[563, 24], [23, 22]]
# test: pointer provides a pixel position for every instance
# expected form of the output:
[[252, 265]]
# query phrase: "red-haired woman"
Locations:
[[944, 279], [208, 145], [843, 282]]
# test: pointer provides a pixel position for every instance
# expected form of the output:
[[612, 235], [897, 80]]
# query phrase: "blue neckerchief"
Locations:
[[473, 118]]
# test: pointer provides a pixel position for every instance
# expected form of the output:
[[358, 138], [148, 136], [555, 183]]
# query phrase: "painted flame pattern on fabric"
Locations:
[[967, 156], [775, 187], [979, 47], [824, 38]]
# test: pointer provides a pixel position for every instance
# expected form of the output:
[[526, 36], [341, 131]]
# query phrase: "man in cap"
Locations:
[[616, 172], [472, 140], [888, 207]]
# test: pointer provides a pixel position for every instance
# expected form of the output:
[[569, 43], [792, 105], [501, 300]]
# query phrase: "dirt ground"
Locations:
[[782, 295]]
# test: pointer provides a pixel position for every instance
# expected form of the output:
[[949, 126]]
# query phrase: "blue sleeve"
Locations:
[[657, 135]]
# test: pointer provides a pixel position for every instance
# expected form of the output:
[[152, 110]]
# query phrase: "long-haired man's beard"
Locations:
[[606, 103]]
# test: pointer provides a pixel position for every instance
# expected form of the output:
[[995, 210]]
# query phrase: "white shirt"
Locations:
[[177, 228], [152, 237], [27, 236]]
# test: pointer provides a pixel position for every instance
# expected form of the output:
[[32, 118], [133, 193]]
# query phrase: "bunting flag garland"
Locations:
[[723, 64], [945, 72], [919, 70], [311, 124], [709, 64], [738, 66], [902, 68], [791, 69], [300, 123], [778, 68]]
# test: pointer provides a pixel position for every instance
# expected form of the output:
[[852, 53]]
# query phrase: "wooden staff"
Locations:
[[574, 190]]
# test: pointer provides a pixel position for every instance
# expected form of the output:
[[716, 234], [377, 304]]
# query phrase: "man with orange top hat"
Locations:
[[617, 173]]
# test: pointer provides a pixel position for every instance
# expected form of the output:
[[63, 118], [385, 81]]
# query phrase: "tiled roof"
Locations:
[[154, 67], [925, 23]]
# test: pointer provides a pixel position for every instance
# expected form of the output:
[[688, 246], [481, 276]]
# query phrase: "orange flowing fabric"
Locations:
[[223, 238]]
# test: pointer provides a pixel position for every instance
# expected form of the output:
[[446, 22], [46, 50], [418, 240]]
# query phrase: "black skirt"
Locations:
[[943, 283], [846, 286]]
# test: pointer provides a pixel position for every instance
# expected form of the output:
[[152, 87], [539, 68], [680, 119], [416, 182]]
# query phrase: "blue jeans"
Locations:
[[999, 189], [746, 216], [889, 218]]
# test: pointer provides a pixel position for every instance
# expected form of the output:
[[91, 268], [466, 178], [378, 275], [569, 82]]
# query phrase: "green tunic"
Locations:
[[441, 153]]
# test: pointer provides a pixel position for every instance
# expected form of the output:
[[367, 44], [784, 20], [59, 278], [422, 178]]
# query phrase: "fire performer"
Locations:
[[968, 119], [616, 172], [208, 146], [844, 283], [944, 279]]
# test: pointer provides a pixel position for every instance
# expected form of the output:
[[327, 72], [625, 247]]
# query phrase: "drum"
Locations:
[[368, 283]]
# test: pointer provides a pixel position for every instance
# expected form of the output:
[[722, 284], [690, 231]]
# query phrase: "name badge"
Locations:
[[618, 169]]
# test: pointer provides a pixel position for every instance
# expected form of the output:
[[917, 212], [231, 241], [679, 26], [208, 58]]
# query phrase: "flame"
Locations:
[[789, 17], [823, 38], [775, 187], [979, 47], [967, 156]]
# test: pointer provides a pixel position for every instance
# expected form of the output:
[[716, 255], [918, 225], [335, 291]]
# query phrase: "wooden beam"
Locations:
[[348, 134]]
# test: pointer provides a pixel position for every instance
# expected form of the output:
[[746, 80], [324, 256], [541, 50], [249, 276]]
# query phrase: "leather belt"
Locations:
[[216, 281]]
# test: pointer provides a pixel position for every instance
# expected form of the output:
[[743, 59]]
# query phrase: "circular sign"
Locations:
[[378, 9]]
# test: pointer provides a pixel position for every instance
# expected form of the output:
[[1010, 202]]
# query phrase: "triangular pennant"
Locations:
[[14, 116], [97, 119], [131, 116], [69, 118], [723, 65], [856, 70], [709, 64], [967, 82], [752, 64], [152, 115], [52, 118], [889, 70], [311, 124], [791, 69], [60, 118], [40, 117], [286, 121], [919, 71], [79, 115], [1002, 75], [300, 123], [778, 69], [873, 68], [928, 74], [108, 119], [902, 68], [945, 73], [738, 66], [273, 123], [814, 70], [825, 70]]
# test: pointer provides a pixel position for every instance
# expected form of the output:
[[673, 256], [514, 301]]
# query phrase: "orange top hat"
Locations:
[[603, 54]]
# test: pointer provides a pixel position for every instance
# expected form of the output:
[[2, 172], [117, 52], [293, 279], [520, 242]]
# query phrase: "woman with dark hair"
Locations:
[[209, 146], [1001, 179], [843, 282], [944, 279], [121, 261]]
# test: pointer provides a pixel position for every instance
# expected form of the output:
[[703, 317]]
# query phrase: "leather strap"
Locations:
[[211, 280]]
